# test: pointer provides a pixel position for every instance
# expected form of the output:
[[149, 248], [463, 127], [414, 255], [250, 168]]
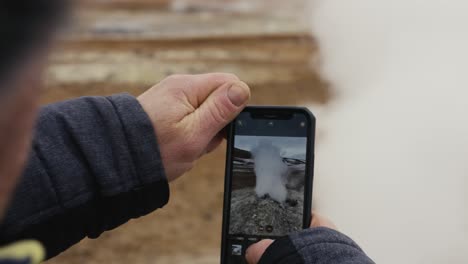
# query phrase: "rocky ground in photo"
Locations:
[[252, 215]]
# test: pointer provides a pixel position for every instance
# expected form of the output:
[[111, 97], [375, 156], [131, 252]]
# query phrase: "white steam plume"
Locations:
[[270, 171], [392, 167]]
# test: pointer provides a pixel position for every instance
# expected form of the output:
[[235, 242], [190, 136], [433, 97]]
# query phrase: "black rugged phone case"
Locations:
[[309, 173]]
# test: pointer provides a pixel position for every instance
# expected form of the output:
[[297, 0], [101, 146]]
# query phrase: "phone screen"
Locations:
[[268, 183]]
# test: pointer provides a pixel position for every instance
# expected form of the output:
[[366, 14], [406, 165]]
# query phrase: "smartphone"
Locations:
[[269, 176]]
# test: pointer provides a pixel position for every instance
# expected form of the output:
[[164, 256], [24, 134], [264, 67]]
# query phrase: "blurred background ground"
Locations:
[[114, 46]]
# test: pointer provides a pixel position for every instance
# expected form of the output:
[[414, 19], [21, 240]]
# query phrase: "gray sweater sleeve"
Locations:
[[315, 246], [94, 165]]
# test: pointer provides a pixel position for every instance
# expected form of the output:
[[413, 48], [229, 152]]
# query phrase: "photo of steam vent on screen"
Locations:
[[268, 176]]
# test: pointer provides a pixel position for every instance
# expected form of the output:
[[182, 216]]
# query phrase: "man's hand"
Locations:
[[255, 251], [188, 114]]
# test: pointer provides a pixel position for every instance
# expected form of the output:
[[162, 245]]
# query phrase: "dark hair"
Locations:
[[25, 24]]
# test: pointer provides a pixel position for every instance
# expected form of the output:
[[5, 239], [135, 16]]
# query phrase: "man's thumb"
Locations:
[[238, 93], [255, 252], [222, 106]]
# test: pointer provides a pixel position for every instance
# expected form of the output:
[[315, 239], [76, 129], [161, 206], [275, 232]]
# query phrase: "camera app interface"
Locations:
[[267, 183]]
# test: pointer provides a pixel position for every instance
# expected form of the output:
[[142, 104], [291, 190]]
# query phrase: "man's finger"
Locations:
[[319, 220], [203, 85], [221, 107], [214, 143], [255, 251]]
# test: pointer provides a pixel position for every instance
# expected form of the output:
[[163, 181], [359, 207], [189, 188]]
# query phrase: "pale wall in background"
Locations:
[[392, 164]]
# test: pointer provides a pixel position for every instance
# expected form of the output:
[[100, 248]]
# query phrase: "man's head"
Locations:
[[26, 29]]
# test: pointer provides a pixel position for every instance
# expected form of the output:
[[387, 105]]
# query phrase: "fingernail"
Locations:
[[247, 252], [248, 257], [238, 94]]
